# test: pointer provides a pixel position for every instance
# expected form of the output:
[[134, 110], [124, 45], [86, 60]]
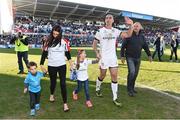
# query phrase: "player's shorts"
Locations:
[[106, 63]]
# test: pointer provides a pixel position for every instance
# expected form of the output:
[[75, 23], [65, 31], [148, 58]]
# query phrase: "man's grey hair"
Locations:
[[138, 23]]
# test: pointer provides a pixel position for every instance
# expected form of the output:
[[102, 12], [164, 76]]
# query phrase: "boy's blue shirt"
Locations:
[[33, 82]]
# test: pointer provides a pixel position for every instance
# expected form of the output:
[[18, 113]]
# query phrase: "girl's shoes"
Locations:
[[89, 104], [75, 96]]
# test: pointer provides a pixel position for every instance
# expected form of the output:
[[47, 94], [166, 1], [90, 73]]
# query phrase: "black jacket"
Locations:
[[24, 41], [157, 43], [132, 47]]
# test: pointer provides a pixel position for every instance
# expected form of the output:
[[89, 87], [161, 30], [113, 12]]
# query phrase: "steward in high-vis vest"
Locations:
[[21, 48]]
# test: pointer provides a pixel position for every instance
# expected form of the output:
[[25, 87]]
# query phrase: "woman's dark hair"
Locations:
[[78, 58], [52, 41]]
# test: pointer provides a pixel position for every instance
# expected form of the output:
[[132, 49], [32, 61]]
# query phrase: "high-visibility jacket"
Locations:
[[19, 46]]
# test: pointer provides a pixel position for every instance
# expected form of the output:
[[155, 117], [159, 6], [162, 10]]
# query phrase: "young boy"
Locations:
[[32, 84]]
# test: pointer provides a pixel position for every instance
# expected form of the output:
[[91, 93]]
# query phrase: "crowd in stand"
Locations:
[[151, 34], [78, 34]]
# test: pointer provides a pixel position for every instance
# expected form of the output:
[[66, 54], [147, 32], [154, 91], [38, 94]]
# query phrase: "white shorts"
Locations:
[[106, 63]]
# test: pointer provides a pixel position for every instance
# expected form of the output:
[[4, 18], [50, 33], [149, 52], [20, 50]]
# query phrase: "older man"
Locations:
[[131, 49]]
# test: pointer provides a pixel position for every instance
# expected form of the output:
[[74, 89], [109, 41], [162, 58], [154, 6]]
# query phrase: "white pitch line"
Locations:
[[154, 89], [161, 92]]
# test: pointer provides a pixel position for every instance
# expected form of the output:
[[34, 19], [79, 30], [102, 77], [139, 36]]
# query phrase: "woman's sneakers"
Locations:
[[75, 96], [66, 108], [33, 112], [51, 98], [89, 104]]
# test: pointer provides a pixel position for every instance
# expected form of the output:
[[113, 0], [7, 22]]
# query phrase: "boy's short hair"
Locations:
[[31, 64]]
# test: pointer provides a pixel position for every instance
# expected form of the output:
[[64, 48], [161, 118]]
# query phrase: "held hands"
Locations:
[[72, 65], [123, 60], [25, 90], [43, 69], [97, 59], [128, 21], [98, 56]]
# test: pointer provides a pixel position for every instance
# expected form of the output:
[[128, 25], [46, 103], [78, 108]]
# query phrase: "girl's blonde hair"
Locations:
[[80, 51]]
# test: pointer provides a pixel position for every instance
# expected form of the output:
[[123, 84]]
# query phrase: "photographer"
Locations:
[[21, 48]]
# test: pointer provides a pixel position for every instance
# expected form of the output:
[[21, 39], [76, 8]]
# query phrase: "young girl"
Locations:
[[32, 84], [82, 75]]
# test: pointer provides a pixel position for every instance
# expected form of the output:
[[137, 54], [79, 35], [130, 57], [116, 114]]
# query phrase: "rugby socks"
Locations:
[[98, 84], [114, 87]]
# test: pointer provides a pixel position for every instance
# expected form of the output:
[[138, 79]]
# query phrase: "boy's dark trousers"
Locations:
[[34, 99]]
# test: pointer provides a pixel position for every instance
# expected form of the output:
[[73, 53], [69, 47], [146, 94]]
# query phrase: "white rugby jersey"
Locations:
[[82, 72], [56, 55], [107, 39]]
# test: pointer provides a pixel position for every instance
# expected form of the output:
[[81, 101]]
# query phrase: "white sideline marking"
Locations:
[[154, 89], [161, 92]]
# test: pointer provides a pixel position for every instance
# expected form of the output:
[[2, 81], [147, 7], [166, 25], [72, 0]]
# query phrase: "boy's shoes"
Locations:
[[117, 103], [37, 106], [33, 112], [98, 93], [88, 103], [75, 96]]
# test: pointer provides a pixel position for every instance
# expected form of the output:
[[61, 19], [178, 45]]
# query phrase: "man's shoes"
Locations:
[[117, 103], [131, 94], [98, 93], [134, 91], [21, 72]]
